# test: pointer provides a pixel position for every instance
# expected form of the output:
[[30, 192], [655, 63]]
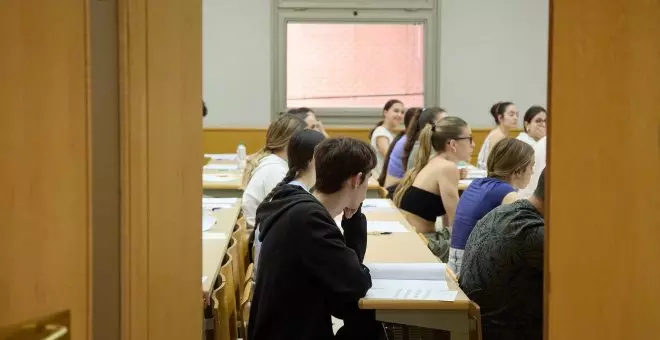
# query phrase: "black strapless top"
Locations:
[[422, 203]]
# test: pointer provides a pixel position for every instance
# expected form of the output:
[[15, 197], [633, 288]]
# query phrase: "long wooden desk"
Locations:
[[409, 248], [214, 246], [228, 182]]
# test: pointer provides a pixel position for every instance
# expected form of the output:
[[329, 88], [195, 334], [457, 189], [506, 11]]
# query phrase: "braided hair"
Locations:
[[300, 152]]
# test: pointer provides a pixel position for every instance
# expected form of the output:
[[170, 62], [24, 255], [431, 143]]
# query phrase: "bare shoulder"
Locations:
[[448, 169]]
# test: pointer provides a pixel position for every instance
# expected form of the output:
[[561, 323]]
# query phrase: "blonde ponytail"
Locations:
[[422, 159], [251, 164]]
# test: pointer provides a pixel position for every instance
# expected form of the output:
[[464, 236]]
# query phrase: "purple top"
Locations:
[[395, 166]]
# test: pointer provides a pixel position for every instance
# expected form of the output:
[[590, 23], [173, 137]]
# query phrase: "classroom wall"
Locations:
[[490, 50]]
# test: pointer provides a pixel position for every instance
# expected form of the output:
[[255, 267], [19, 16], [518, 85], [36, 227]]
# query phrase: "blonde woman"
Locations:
[[266, 168], [430, 189], [510, 167], [506, 118]]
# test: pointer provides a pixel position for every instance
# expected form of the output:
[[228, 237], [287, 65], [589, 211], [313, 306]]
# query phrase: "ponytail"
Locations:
[[371, 133], [422, 159], [383, 173]]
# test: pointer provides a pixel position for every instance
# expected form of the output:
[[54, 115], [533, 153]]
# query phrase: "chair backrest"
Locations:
[[233, 251], [242, 239], [221, 326], [249, 274], [382, 192], [228, 300], [246, 302]]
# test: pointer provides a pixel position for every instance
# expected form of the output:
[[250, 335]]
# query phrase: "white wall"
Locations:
[[490, 50], [236, 62]]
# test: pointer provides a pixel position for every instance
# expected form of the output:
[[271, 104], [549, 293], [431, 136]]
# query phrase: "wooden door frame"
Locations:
[[161, 147]]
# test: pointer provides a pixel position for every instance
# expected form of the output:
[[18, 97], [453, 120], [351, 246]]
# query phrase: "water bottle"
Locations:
[[241, 155]]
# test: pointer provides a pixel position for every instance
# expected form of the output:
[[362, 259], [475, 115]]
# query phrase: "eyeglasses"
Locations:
[[460, 138]]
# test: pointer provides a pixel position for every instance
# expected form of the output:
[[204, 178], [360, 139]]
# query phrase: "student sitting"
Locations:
[[510, 166], [308, 270], [300, 153], [309, 116], [383, 134], [534, 125], [430, 189], [503, 269], [269, 165], [506, 118], [411, 148], [539, 164], [393, 169]]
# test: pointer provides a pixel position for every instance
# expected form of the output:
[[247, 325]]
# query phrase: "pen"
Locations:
[[379, 233]]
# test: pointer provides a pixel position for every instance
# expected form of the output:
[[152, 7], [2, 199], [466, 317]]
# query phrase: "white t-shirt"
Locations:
[[269, 172], [380, 131], [539, 158], [482, 159], [523, 136]]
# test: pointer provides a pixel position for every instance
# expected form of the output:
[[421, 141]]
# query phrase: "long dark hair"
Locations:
[[410, 116], [300, 152], [387, 107], [426, 117]]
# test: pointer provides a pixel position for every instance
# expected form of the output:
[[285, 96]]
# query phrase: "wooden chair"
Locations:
[[241, 258], [249, 274], [474, 314], [382, 192], [237, 283], [246, 302], [226, 311]]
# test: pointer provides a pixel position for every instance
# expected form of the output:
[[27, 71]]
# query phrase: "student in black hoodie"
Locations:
[[300, 154], [308, 270]]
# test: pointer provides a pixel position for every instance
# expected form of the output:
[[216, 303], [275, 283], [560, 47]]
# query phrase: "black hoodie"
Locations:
[[308, 270]]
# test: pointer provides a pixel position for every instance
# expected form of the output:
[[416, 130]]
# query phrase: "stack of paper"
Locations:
[[409, 281], [385, 227], [219, 203], [221, 167]]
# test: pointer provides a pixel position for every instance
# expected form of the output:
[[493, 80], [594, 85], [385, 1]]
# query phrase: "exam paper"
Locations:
[[221, 156], [376, 203], [223, 167], [217, 179], [208, 222], [219, 200], [385, 227], [210, 235], [408, 271], [411, 290]]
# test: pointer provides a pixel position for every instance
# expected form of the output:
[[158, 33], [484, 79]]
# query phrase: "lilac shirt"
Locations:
[[395, 166]]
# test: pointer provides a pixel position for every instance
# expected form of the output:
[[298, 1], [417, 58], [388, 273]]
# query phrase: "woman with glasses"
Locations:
[[510, 166], [430, 189], [534, 125]]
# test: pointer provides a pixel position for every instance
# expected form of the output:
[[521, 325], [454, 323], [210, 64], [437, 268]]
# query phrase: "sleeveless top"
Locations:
[[482, 159], [422, 203], [482, 196]]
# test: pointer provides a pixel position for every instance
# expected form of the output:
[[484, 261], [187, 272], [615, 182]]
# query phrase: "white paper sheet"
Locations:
[[411, 290], [222, 167], [209, 235], [385, 227], [408, 271], [208, 222], [221, 156], [476, 173], [219, 200], [204, 278], [212, 206], [217, 179], [376, 203]]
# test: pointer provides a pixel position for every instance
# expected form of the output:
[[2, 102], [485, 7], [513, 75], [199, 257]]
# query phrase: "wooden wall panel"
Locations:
[[45, 162], [603, 219], [225, 140], [160, 51]]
